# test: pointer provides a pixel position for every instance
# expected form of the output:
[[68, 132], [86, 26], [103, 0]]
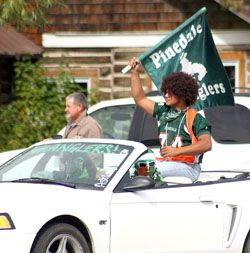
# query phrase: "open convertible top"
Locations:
[[230, 124]]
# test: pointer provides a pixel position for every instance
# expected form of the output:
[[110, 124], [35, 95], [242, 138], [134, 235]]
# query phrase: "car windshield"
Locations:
[[76, 164]]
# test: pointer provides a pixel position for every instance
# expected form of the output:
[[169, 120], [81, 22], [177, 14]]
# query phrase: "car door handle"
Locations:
[[206, 199]]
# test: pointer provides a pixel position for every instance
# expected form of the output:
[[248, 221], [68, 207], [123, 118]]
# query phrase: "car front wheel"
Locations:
[[247, 245], [61, 238]]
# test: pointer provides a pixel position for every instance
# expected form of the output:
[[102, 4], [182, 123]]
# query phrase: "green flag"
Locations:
[[190, 48]]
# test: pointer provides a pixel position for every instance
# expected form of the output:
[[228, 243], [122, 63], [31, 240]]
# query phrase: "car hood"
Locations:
[[40, 203], [14, 194]]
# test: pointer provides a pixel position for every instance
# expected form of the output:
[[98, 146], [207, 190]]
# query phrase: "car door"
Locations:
[[172, 219]]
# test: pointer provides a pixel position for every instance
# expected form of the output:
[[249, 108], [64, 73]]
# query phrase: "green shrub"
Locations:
[[37, 112]]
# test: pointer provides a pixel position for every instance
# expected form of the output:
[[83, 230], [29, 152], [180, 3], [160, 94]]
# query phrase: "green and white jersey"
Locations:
[[172, 126]]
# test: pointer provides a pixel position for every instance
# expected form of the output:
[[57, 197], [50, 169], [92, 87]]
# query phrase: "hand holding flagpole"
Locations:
[[132, 64]]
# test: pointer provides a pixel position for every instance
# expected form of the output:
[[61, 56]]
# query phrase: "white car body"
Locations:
[[207, 217]]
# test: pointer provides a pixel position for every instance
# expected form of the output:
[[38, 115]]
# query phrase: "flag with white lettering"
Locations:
[[190, 48]]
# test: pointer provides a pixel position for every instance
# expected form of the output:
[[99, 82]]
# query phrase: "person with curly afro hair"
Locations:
[[184, 134], [182, 85]]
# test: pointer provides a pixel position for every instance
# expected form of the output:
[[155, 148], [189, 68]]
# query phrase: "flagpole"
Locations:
[[126, 69], [198, 13]]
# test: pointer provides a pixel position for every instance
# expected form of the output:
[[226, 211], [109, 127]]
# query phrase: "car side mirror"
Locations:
[[139, 183]]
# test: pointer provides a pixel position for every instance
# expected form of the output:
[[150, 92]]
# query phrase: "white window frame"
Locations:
[[84, 80]]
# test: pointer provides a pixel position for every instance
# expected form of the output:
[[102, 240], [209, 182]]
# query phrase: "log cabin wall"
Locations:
[[102, 65]]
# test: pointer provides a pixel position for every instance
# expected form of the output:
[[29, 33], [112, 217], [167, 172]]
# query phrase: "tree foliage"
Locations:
[[25, 13], [235, 5], [38, 110]]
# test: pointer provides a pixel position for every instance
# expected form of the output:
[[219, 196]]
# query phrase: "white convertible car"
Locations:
[[81, 196]]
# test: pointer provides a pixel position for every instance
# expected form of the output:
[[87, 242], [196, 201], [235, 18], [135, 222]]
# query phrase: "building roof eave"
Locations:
[[244, 14], [13, 43]]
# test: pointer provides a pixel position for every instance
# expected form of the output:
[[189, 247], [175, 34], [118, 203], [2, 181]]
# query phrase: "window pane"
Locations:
[[231, 75], [115, 120]]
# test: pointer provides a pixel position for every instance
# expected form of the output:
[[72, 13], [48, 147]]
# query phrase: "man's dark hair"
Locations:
[[182, 85], [79, 98]]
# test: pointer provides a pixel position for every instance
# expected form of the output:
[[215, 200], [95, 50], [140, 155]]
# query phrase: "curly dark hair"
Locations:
[[182, 85]]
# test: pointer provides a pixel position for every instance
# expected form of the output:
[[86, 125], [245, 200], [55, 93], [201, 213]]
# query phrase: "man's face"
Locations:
[[72, 110], [171, 99]]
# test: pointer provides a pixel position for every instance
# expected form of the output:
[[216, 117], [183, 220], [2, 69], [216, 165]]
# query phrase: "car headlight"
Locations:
[[6, 222]]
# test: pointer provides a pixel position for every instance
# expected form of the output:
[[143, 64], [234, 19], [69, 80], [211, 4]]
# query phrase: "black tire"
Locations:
[[61, 237], [247, 245]]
